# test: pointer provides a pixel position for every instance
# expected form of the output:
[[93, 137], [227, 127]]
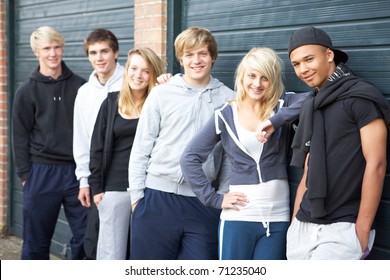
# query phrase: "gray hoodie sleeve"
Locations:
[[144, 140], [290, 110], [195, 154]]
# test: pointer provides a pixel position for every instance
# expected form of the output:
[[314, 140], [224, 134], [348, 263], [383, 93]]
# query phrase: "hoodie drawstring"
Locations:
[[266, 226]]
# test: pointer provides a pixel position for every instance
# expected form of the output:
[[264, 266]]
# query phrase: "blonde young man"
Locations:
[[102, 49], [168, 221], [42, 144]]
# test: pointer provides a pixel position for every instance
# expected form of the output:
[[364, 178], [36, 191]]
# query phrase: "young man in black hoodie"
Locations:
[[341, 143], [42, 144]]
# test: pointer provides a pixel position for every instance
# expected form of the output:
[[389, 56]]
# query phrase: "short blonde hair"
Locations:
[[193, 38], [45, 34], [268, 63]]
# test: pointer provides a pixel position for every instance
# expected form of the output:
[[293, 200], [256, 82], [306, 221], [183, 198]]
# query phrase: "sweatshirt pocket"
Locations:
[[58, 143]]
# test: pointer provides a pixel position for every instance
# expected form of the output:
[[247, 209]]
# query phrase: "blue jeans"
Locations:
[[239, 240]]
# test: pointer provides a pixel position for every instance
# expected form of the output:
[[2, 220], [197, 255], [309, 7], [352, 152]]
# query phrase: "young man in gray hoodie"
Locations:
[[102, 49], [168, 221]]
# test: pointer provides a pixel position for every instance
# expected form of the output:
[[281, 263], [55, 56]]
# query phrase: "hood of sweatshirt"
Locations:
[[38, 76], [179, 81], [118, 74]]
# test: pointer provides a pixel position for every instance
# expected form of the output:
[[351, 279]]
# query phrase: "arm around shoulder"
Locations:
[[290, 110]]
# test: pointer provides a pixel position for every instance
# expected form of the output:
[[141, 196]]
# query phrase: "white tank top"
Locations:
[[268, 201], [247, 138]]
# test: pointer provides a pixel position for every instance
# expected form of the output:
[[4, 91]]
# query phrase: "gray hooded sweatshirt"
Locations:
[[171, 116]]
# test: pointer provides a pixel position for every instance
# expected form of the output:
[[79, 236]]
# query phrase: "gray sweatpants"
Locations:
[[114, 216], [337, 241]]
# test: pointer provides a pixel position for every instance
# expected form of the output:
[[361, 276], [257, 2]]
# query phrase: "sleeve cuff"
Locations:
[[84, 183]]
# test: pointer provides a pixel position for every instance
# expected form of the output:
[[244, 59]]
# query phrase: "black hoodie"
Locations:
[[42, 120]]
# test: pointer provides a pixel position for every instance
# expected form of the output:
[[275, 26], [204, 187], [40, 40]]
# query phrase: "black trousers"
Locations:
[[91, 232]]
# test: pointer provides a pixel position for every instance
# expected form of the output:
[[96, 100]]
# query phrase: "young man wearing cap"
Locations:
[[341, 143]]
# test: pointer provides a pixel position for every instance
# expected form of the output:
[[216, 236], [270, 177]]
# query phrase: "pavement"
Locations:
[[11, 248]]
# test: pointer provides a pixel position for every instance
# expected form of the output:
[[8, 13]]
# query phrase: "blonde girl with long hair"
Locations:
[[111, 145], [255, 209]]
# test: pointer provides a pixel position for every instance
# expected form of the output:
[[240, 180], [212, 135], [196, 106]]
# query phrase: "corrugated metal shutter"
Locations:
[[74, 19], [359, 27]]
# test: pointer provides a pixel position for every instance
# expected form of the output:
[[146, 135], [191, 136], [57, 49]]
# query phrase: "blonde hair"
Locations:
[[195, 37], [268, 63], [156, 68], [45, 34]]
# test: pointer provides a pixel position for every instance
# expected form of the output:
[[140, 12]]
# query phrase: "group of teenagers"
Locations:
[[150, 166]]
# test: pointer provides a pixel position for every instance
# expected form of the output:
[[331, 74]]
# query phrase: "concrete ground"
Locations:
[[11, 248]]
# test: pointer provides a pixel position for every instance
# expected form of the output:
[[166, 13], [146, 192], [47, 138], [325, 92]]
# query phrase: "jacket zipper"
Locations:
[[237, 142]]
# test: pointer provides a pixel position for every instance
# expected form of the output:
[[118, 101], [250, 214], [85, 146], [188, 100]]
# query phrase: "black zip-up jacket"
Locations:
[[42, 120], [102, 143]]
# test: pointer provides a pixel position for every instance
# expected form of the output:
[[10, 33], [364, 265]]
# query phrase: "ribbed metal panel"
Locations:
[[359, 27], [74, 19]]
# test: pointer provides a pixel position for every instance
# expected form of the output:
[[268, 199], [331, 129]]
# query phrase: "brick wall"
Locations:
[[150, 23], [3, 120]]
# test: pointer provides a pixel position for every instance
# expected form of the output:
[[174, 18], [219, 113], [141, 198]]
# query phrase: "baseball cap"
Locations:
[[314, 36]]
